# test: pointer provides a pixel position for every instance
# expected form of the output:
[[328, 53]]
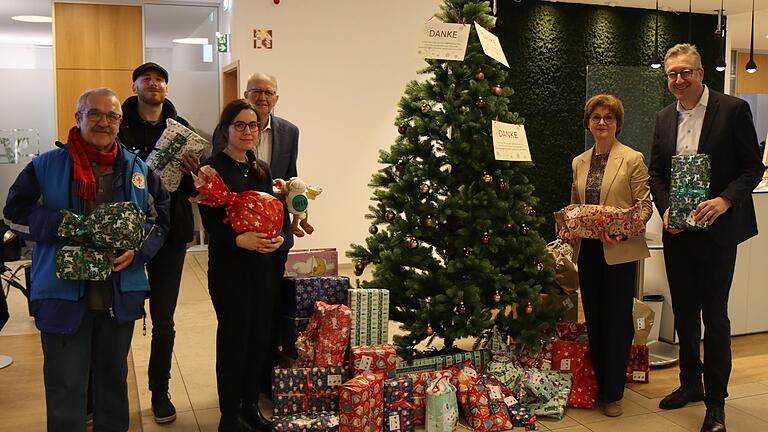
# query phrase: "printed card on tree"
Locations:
[[491, 45], [446, 41], [510, 142]]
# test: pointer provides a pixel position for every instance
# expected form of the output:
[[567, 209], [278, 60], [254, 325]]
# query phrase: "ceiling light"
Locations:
[[655, 61], [720, 66], [32, 18], [191, 41], [751, 66]]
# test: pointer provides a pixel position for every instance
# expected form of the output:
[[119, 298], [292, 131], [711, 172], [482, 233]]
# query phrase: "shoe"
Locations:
[[714, 421], [253, 416], [234, 423], [681, 397], [162, 408], [613, 409]]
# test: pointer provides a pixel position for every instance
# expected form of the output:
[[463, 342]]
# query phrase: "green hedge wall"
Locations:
[[549, 46]]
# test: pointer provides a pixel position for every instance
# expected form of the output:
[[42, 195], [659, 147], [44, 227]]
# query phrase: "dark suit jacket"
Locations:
[[285, 151], [728, 135]]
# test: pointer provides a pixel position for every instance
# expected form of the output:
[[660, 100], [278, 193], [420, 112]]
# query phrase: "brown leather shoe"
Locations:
[[613, 409]]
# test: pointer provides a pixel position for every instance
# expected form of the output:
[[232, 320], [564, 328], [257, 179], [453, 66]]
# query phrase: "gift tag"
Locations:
[[638, 376], [394, 422], [690, 220], [365, 363], [565, 364], [510, 400], [470, 372], [568, 303], [494, 392], [334, 380], [641, 323]]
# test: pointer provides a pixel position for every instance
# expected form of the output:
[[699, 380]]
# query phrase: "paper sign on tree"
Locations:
[[491, 45], [510, 142], [445, 41]]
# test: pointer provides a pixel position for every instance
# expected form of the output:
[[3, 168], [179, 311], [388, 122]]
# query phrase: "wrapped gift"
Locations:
[[592, 220], [247, 211], [289, 332], [115, 225], [572, 331], [399, 409], [324, 343], [643, 317], [541, 359], [521, 417], [569, 356], [370, 316], [569, 303], [323, 421], [506, 371], [378, 359], [537, 384], [566, 273], [573, 357], [361, 404], [300, 294], [482, 411], [584, 390], [442, 409], [554, 407], [478, 358], [83, 263], [312, 262], [420, 382], [300, 390], [637, 366], [497, 344], [165, 159], [426, 364], [689, 187]]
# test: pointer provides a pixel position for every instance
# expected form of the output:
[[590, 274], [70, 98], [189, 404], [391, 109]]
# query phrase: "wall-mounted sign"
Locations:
[[262, 39], [222, 42]]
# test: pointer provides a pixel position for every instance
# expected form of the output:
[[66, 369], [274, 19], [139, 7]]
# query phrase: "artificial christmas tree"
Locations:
[[453, 233]]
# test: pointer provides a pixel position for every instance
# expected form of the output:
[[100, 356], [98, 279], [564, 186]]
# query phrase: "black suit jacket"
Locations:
[[285, 152], [728, 136]]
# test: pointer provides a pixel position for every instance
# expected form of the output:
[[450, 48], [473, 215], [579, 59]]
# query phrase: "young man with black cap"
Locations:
[[144, 120]]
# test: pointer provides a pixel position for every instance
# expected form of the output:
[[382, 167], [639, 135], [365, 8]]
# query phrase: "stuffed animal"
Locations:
[[297, 193]]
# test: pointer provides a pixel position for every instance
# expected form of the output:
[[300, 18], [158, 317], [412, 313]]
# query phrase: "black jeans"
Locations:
[[164, 271], [606, 294]]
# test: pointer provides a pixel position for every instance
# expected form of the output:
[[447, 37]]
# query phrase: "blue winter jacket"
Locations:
[[33, 210]]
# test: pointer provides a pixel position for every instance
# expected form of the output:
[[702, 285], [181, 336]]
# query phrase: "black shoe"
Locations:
[[234, 423], [681, 397], [714, 421], [253, 416], [162, 408]]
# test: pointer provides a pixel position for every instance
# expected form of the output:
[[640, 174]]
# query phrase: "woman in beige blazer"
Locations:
[[610, 174]]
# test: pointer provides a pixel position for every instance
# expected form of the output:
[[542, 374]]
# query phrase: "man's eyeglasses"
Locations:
[[240, 126], [263, 92], [609, 120], [685, 74], [96, 115]]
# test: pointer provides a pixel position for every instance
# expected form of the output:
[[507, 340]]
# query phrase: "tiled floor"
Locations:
[[193, 386]]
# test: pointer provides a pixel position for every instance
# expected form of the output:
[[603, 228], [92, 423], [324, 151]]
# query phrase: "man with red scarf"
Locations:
[[86, 326]]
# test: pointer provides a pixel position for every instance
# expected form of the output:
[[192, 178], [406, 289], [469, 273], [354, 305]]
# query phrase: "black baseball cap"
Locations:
[[139, 71]]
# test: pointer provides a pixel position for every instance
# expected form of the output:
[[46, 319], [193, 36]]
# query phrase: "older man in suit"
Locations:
[[700, 264]]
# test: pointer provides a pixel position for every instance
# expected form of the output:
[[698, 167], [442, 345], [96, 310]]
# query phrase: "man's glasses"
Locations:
[[609, 120], [96, 115], [263, 92], [240, 126], [685, 74]]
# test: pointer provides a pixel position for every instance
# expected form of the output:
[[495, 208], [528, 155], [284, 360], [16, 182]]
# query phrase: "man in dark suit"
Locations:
[[279, 147], [700, 264]]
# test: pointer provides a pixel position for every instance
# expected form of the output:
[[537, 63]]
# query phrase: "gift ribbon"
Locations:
[[311, 391], [399, 393], [167, 154]]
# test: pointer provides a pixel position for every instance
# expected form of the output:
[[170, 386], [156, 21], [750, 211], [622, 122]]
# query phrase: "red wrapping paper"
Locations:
[[378, 359], [637, 367], [590, 221], [361, 404], [420, 381], [573, 357], [325, 341], [246, 211], [483, 412], [572, 331]]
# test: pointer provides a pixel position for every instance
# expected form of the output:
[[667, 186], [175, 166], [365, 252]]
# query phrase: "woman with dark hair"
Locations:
[[240, 276], [615, 175]]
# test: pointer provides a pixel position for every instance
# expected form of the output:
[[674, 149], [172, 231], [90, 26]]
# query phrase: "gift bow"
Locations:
[[684, 188]]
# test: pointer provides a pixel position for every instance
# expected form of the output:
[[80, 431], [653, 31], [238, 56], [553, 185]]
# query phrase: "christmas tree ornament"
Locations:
[[424, 188], [497, 297], [389, 215], [508, 226], [402, 129], [467, 252], [429, 222], [461, 309], [430, 330], [496, 90], [479, 76], [425, 108], [373, 229], [487, 178], [539, 267], [400, 167], [524, 229], [485, 238], [359, 267], [528, 309], [503, 185], [480, 103], [531, 212], [413, 243]]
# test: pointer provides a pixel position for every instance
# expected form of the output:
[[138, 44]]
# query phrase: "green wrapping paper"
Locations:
[[479, 358], [689, 187], [505, 370], [370, 317], [83, 263], [442, 407], [554, 407]]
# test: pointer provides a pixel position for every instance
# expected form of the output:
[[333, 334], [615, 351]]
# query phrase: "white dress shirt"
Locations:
[[264, 146], [689, 123]]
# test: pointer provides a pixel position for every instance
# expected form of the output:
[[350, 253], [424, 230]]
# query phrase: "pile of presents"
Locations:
[[347, 378]]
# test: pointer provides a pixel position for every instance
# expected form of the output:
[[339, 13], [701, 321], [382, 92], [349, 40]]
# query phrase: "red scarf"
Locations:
[[82, 156]]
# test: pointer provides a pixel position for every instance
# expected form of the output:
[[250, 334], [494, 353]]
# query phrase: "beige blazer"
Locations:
[[625, 181]]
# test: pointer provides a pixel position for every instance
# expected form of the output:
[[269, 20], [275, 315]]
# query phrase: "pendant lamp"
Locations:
[[655, 61], [751, 65]]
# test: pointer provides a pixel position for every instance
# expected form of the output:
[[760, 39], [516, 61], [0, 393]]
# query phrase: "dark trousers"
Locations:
[[273, 352], [700, 272], [606, 294], [164, 273], [241, 289], [99, 349]]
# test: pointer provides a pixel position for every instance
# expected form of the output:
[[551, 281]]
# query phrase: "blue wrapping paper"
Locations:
[[300, 294], [398, 405], [301, 390]]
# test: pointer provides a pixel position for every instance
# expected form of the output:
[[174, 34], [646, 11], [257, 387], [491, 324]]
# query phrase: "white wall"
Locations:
[[342, 67]]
